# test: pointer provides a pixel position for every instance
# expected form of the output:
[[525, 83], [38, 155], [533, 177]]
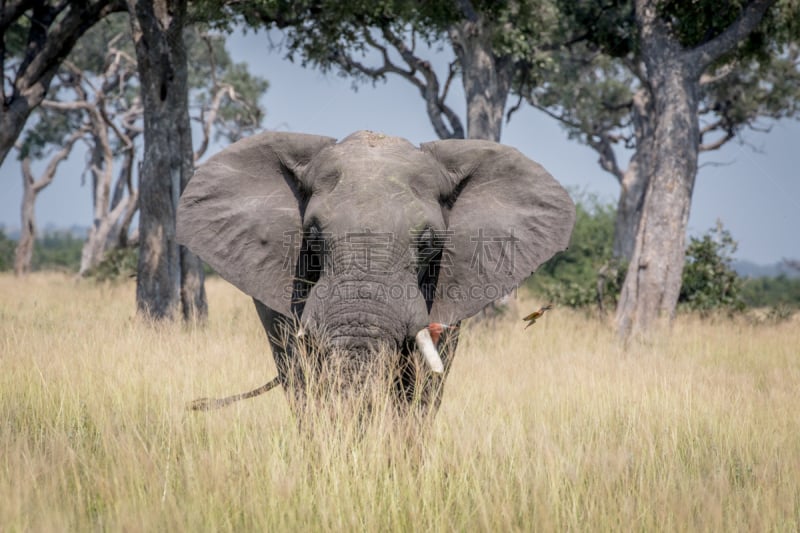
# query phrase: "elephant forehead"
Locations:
[[375, 139], [358, 167]]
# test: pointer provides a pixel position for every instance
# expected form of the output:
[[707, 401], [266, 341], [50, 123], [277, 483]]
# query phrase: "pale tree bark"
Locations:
[[124, 194], [170, 279], [652, 284], [486, 78], [55, 28], [653, 281], [110, 216], [633, 180], [31, 187]]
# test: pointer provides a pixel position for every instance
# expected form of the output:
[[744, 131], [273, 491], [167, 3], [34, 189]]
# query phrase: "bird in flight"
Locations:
[[533, 317]]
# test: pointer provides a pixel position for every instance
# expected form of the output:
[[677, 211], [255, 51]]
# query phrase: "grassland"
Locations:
[[555, 428]]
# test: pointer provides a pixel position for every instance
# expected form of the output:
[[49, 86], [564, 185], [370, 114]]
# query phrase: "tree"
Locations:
[[709, 281], [31, 187], [491, 42], [169, 277], [598, 94], [674, 66], [35, 36], [95, 98], [647, 72]]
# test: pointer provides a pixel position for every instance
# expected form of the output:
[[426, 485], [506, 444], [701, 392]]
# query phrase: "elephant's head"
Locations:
[[372, 237]]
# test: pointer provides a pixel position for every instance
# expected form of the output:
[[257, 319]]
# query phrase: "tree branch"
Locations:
[[608, 159], [716, 145], [209, 119], [430, 90], [446, 122], [703, 55], [50, 171], [721, 73], [46, 56], [10, 12], [600, 142]]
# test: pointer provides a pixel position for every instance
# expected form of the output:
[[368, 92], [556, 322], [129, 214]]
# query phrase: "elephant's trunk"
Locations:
[[362, 314]]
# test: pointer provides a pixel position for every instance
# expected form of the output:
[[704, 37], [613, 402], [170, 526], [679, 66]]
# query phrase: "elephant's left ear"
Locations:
[[241, 210], [505, 216]]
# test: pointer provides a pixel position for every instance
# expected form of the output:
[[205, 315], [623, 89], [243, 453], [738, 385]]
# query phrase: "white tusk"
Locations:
[[428, 350]]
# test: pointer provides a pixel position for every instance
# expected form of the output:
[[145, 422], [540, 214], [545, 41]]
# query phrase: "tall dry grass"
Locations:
[[554, 428]]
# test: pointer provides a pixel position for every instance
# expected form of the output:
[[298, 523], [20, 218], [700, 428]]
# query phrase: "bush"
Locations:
[[117, 263], [586, 274], [709, 282], [573, 277], [57, 251], [6, 252], [778, 292]]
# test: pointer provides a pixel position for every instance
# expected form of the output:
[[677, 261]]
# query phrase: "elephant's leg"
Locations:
[[281, 331], [434, 385]]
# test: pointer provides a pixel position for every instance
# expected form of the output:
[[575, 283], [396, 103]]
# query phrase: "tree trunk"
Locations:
[[118, 237], [653, 279], [629, 211], [168, 277], [103, 235], [111, 217], [486, 78], [31, 187], [27, 237], [101, 168], [634, 179], [671, 75]]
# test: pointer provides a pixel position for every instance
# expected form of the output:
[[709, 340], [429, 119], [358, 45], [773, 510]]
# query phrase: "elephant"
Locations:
[[372, 240]]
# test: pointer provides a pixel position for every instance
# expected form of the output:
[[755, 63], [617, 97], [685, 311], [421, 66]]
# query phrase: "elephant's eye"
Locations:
[[429, 253], [313, 253], [429, 245]]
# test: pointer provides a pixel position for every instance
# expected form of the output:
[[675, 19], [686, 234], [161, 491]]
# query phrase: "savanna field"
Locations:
[[554, 428]]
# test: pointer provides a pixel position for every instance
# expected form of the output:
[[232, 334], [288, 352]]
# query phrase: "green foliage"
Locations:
[[57, 251], [586, 274], [323, 33], [775, 292], [589, 86], [609, 26], [589, 93], [571, 278], [6, 252], [709, 283], [119, 263], [16, 37]]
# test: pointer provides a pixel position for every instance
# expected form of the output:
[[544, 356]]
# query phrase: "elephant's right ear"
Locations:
[[240, 212]]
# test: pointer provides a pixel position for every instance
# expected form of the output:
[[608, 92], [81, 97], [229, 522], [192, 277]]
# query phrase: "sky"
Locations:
[[753, 187]]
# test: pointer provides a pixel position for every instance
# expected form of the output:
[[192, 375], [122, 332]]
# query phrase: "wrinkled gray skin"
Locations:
[[453, 225]]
